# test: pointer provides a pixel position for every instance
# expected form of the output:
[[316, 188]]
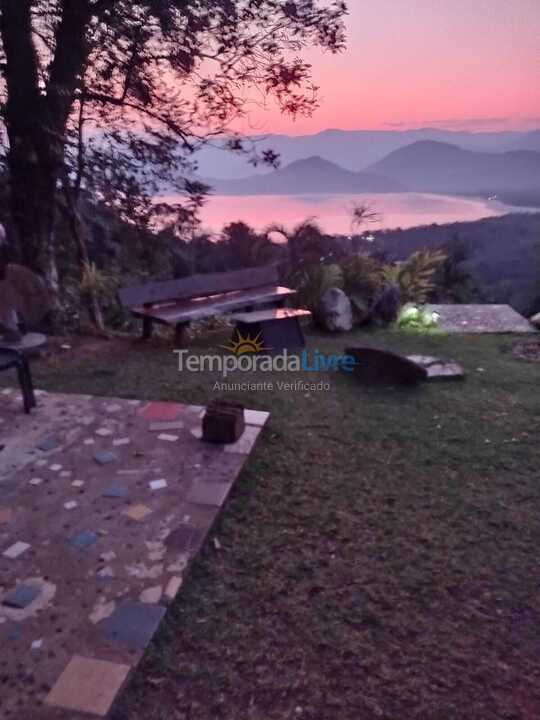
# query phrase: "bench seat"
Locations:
[[184, 311], [259, 316]]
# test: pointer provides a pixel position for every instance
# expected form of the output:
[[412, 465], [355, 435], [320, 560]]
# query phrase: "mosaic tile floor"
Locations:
[[103, 505]]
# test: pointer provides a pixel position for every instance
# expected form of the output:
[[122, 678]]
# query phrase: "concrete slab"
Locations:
[[480, 319], [107, 545]]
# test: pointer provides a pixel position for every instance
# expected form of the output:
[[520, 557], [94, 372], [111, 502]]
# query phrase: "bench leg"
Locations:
[[147, 328], [180, 333]]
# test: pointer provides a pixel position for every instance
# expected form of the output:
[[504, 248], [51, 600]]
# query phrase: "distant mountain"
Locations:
[[310, 175], [431, 166], [356, 149]]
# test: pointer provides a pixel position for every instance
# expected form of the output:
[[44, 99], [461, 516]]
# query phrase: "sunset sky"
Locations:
[[459, 64]]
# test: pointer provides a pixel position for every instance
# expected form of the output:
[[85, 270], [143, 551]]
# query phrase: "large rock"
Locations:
[[536, 320], [334, 312], [386, 304], [24, 299], [382, 366]]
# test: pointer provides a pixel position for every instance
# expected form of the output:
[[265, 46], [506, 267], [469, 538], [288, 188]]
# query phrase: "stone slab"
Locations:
[[208, 493], [21, 597], [480, 319], [88, 686], [133, 624], [438, 369]]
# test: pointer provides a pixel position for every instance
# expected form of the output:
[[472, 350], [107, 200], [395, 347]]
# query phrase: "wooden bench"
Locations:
[[178, 302], [277, 329]]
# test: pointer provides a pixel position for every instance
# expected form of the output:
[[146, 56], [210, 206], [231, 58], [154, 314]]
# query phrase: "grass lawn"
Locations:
[[378, 557]]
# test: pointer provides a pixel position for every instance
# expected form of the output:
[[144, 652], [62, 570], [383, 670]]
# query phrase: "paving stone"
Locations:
[[78, 483], [161, 411], [133, 624], [114, 408], [36, 481], [105, 573], [49, 443], [83, 540], [37, 644], [70, 505], [256, 417], [168, 438], [118, 442], [137, 512], [101, 611], [245, 443], [164, 426], [151, 595], [89, 441], [183, 538], [6, 515], [88, 686], [108, 556], [22, 596], [208, 493], [66, 473], [173, 586], [104, 432], [157, 484], [55, 468], [104, 458], [115, 490], [197, 410], [15, 550]]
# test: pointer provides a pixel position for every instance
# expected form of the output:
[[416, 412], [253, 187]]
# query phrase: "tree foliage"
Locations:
[[112, 98]]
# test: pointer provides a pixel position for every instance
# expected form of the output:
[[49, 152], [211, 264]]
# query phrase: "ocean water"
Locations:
[[333, 212]]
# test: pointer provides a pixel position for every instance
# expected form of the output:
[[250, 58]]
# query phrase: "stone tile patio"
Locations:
[[480, 319], [103, 505]]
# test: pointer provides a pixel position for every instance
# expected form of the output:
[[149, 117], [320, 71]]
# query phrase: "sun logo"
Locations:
[[244, 345]]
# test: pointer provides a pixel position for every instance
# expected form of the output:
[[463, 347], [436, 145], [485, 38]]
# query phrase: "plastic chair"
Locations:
[[11, 359]]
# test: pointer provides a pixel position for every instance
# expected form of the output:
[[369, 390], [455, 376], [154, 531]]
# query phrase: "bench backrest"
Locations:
[[198, 286]]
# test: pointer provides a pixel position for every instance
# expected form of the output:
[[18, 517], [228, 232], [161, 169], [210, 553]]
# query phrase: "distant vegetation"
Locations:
[[492, 260]]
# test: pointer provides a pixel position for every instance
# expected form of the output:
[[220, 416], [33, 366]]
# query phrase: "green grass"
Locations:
[[379, 555]]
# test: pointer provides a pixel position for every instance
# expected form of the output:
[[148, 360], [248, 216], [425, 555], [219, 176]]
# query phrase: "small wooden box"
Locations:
[[223, 422]]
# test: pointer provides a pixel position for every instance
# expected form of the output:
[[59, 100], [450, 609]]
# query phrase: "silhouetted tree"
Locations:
[[113, 97]]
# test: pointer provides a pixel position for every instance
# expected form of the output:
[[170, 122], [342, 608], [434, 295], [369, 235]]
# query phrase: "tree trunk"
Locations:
[[36, 124]]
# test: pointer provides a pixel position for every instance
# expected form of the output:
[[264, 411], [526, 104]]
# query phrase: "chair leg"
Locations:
[[25, 382], [31, 394]]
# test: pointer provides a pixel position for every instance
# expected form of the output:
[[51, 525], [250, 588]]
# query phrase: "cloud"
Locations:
[[473, 123]]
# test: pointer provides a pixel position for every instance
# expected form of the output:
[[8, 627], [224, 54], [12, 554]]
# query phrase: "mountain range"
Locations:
[[423, 166], [355, 150]]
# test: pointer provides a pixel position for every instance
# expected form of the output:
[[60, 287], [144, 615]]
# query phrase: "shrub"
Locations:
[[414, 318], [415, 276]]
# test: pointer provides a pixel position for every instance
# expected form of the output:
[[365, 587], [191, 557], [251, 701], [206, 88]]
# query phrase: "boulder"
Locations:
[[382, 366], [24, 299], [334, 312], [361, 308], [386, 304], [536, 320]]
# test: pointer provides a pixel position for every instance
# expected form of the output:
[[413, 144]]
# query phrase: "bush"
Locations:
[[414, 318]]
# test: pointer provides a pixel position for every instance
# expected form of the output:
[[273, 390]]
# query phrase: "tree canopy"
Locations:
[[112, 98]]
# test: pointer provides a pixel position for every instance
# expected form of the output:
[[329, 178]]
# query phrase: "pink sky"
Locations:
[[462, 64]]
